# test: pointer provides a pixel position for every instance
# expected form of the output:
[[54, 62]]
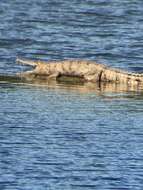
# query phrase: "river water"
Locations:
[[57, 136]]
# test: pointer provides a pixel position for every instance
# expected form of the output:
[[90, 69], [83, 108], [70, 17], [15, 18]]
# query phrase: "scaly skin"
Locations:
[[87, 70]]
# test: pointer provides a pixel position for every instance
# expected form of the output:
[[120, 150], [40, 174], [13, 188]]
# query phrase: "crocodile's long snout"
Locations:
[[26, 62]]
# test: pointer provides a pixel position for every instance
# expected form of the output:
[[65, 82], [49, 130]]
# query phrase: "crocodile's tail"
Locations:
[[27, 62], [121, 76]]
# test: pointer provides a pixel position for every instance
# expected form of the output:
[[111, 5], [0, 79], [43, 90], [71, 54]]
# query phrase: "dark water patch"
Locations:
[[12, 79], [69, 79]]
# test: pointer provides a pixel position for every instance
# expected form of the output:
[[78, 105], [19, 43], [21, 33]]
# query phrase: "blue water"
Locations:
[[56, 136]]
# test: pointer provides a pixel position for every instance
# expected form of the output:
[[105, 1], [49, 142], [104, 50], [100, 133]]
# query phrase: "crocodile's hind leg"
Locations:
[[53, 76]]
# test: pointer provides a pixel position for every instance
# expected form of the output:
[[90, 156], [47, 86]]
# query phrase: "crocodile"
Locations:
[[87, 71]]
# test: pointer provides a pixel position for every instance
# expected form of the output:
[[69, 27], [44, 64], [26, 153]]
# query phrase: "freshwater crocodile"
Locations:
[[87, 71]]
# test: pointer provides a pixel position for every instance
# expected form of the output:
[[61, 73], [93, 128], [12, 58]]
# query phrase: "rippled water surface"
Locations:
[[57, 136]]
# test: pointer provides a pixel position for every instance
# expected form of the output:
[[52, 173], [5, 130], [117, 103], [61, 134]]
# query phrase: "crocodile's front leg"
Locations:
[[26, 74]]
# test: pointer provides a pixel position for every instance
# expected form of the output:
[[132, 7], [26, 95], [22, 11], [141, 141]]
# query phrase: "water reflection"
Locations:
[[71, 85]]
